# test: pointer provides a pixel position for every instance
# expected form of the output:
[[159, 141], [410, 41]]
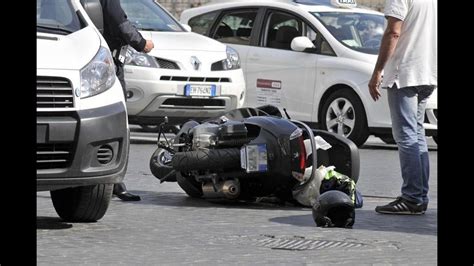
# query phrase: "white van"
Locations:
[[312, 57], [82, 137]]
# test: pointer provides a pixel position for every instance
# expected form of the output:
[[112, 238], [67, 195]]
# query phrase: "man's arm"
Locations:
[[127, 31], [387, 47]]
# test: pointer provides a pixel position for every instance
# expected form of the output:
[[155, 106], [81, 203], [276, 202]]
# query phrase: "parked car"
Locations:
[[186, 75], [82, 134], [312, 57]]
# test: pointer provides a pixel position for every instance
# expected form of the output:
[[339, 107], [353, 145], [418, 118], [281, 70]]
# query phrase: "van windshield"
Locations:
[[56, 16], [358, 31], [148, 15]]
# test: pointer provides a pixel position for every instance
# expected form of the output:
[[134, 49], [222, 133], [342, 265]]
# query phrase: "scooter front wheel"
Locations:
[[159, 165]]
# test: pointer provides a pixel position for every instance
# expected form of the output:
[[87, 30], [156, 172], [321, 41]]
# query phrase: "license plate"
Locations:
[[200, 90], [253, 158]]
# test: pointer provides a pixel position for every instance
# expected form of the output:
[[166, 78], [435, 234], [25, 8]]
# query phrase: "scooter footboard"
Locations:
[[343, 154]]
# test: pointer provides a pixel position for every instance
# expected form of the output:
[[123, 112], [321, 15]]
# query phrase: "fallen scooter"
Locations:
[[249, 153]]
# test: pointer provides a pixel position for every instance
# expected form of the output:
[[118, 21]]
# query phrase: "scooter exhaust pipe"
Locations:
[[229, 189]]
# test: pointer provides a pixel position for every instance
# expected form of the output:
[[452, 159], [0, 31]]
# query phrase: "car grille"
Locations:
[[187, 102], [53, 155], [166, 63], [53, 92], [195, 79]]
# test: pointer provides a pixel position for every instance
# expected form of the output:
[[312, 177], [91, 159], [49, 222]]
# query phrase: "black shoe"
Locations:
[[401, 206], [425, 207], [127, 196]]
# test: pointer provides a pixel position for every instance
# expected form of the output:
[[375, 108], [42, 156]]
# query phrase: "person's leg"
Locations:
[[120, 190], [423, 93], [403, 105]]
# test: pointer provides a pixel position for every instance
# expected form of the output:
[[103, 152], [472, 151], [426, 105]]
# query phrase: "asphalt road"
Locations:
[[167, 227]]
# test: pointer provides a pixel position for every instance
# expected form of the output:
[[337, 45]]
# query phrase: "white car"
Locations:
[[312, 57], [186, 75]]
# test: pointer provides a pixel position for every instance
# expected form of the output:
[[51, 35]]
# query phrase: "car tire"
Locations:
[[82, 204], [435, 138], [352, 123], [191, 187], [158, 167]]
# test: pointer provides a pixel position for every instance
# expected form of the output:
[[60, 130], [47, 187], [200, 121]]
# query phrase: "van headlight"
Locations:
[[99, 75], [135, 58], [232, 61]]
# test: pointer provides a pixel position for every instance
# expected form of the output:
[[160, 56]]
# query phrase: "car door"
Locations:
[[276, 74]]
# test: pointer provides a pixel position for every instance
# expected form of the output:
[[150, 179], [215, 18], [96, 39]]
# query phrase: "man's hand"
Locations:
[[148, 46], [374, 85]]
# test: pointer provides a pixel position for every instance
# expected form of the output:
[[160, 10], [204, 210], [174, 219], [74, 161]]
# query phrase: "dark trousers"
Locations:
[[120, 187]]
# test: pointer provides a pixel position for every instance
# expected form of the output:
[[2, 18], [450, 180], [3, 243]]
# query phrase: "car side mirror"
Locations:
[[302, 44], [187, 27]]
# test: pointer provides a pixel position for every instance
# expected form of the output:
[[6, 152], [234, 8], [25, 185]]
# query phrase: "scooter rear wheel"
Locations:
[[191, 187], [206, 159]]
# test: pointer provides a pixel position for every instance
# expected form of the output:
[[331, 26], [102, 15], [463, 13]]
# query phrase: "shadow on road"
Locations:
[[369, 220], [178, 199], [51, 223]]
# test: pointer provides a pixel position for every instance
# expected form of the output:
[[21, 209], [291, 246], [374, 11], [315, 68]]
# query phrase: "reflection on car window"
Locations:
[[147, 15], [56, 16], [358, 31], [281, 29], [235, 27], [201, 24]]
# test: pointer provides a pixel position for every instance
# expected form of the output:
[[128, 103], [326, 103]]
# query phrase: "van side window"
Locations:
[[235, 27], [201, 24]]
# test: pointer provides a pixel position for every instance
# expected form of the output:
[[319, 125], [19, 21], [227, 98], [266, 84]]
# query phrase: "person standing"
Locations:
[[408, 60], [118, 33]]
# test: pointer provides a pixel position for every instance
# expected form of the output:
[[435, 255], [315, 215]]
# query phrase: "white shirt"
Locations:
[[415, 60]]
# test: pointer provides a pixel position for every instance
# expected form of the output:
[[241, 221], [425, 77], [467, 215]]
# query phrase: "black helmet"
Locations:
[[334, 208]]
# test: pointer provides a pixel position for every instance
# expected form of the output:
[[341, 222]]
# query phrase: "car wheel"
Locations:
[[82, 204], [343, 113], [387, 139], [150, 128], [160, 164]]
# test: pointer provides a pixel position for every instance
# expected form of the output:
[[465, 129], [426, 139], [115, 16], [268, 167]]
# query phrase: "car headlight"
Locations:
[[135, 58], [232, 61], [99, 75]]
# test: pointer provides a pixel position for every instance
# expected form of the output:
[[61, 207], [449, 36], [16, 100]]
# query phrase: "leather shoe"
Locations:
[[127, 196]]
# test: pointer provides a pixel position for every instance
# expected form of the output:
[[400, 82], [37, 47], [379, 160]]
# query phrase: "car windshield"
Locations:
[[358, 31], [148, 15], [56, 16]]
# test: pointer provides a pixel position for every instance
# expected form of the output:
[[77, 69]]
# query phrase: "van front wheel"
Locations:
[[82, 204], [343, 113]]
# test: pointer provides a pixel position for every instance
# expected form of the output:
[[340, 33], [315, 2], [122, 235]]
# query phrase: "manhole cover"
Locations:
[[299, 243]]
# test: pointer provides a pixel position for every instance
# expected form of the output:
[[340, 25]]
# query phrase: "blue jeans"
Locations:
[[407, 110]]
